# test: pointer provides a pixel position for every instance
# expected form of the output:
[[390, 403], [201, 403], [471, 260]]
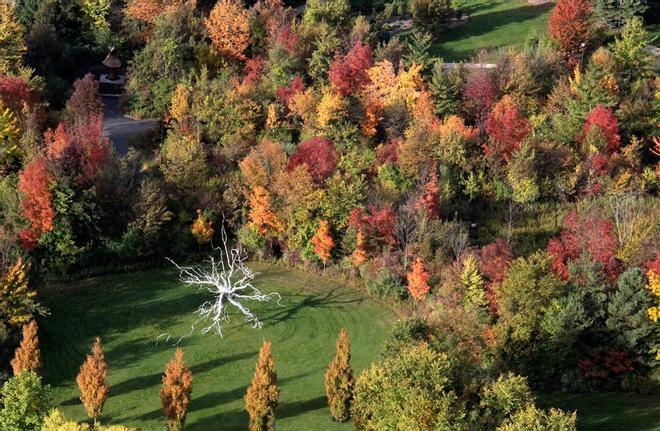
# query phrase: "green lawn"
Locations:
[[608, 411], [130, 311], [493, 24]]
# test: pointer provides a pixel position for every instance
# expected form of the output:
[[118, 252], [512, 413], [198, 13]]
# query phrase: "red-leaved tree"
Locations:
[[80, 151], [285, 94], [34, 184], [348, 73], [506, 128], [429, 201], [378, 226], [494, 260], [603, 118], [570, 26], [318, 155], [584, 234], [479, 95]]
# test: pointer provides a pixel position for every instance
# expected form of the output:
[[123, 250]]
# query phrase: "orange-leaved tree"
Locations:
[[34, 184], [176, 392], [339, 380], [359, 255], [570, 26], [429, 201], [261, 215], [418, 280], [149, 10], [92, 381], [229, 28], [322, 241], [28, 355], [263, 394]]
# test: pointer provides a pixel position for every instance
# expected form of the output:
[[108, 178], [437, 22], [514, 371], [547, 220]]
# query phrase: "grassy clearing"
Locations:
[[129, 311], [608, 411], [493, 24]]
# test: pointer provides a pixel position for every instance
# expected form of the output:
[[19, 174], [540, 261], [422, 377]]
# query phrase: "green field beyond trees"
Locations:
[[493, 24], [130, 311]]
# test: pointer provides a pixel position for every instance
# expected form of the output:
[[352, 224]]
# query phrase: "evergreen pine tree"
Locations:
[[339, 380], [615, 13], [263, 394], [445, 87], [419, 45], [28, 355]]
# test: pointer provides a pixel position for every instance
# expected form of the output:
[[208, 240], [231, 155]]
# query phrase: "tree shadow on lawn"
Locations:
[[275, 313]]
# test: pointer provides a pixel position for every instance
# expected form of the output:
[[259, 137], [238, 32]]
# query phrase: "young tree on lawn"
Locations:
[[339, 380], [229, 29], [323, 242], [28, 355], [570, 26], [229, 280], [263, 394], [418, 280], [176, 392], [92, 381]]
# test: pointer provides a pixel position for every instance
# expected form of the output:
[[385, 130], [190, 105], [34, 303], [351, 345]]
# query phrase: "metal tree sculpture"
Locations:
[[229, 280]]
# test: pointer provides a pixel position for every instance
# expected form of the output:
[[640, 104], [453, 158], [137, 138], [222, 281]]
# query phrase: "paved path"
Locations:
[[120, 128]]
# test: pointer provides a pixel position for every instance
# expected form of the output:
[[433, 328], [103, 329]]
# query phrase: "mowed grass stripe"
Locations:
[[129, 311]]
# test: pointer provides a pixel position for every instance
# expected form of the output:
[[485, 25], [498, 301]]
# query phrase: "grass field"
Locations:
[[608, 411], [129, 311], [493, 24]]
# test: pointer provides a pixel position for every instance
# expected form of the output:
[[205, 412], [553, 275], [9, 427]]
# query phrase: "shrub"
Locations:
[[26, 403], [407, 392], [504, 398], [333, 12], [431, 15], [533, 419]]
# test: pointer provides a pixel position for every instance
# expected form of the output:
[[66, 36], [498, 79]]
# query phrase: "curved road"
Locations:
[[120, 128]]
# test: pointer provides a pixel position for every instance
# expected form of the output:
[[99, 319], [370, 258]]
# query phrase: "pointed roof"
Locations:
[[112, 61]]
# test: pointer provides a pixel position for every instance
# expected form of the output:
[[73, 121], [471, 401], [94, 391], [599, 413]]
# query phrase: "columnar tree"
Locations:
[[176, 392], [28, 355], [263, 394], [339, 380], [92, 381]]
